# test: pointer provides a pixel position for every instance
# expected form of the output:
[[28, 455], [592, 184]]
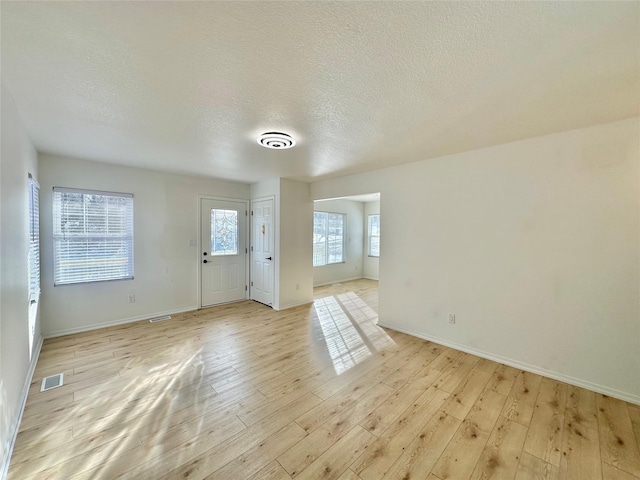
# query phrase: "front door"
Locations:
[[262, 251], [223, 255]]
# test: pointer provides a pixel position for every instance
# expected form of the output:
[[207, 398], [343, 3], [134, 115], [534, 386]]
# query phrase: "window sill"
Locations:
[[329, 264]]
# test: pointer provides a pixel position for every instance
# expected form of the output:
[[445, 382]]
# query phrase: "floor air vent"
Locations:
[[160, 319], [52, 381]]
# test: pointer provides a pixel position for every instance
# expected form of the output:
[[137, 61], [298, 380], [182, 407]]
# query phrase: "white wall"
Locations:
[[352, 266], [166, 216], [370, 265], [534, 245], [17, 159], [296, 244]]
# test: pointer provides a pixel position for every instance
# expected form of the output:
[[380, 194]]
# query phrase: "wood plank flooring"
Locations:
[[315, 392]]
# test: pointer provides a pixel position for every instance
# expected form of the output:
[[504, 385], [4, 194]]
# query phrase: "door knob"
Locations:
[[268, 258], [205, 261]]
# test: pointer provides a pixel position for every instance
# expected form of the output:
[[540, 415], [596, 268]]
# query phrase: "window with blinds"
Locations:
[[34, 241], [92, 236], [374, 235], [33, 258], [328, 238]]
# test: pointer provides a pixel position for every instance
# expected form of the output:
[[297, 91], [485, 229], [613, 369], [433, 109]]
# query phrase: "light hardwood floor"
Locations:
[[315, 392]]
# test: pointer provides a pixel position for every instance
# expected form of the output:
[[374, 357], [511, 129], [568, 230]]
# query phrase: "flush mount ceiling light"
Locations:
[[276, 140]]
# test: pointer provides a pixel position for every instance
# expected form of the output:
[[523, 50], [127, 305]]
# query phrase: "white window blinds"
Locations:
[[374, 235], [92, 236], [34, 241], [328, 238]]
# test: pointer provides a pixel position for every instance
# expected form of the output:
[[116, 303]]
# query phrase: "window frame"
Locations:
[[370, 235], [126, 238], [326, 242]]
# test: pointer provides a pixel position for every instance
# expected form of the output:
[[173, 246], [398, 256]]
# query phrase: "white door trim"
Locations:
[[199, 242]]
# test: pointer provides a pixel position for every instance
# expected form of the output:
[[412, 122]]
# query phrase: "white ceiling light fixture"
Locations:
[[276, 140]]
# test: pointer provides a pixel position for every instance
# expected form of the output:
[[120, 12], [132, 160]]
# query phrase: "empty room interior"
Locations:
[[339, 240]]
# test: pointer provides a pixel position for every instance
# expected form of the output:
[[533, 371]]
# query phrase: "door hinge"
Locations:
[[252, 284], [252, 213], [246, 251], [245, 213], [246, 288], [252, 248]]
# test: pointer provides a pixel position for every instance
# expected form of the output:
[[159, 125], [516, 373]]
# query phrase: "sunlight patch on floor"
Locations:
[[344, 343], [150, 398], [367, 320], [350, 330]]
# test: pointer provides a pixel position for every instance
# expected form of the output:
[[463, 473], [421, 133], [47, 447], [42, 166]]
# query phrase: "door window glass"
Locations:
[[224, 232]]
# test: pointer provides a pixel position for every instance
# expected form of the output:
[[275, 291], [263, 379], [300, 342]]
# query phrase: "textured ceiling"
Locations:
[[187, 86]]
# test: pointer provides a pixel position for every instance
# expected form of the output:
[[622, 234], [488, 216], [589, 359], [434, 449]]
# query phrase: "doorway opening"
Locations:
[[346, 239]]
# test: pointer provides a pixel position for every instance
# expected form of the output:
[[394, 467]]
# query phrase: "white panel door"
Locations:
[[223, 256], [262, 251]]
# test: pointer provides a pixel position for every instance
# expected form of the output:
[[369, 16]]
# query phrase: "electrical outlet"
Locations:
[[452, 318], [132, 298]]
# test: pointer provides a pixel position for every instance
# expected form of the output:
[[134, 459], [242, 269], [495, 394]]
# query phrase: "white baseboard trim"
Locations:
[[627, 397], [371, 278], [292, 305], [338, 281], [4, 466], [97, 326]]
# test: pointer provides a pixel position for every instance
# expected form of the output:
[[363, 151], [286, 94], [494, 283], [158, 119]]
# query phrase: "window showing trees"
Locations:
[[374, 235], [92, 236], [328, 238]]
